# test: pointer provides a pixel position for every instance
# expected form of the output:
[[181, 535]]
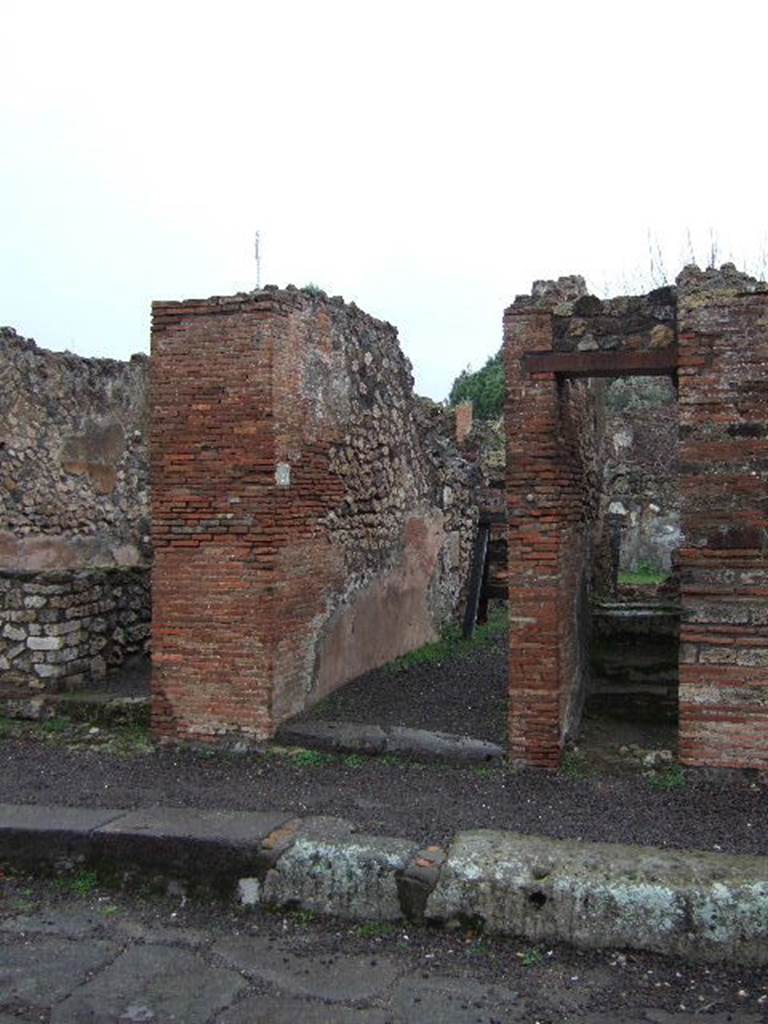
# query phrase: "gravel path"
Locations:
[[614, 802], [423, 802], [465, 694]]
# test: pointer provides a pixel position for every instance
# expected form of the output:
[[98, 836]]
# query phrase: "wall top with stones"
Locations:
[[73, 461], [582, 322], [697, 287]]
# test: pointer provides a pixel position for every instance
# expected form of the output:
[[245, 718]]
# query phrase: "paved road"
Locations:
[[73, 954]]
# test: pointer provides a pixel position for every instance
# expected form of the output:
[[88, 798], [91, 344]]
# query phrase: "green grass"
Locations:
[[303, 918], [56, 725], [391, 759], [668, 779], [644, 576], [132, 739], [7, 727], [354, 761], [575, 765], [84, 883], [312, 758], [452, 643], [374, 930], [531, 957]]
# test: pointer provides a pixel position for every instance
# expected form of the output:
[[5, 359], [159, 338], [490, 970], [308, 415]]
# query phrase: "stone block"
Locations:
[[692, 904], [215, 847], [354, 877]]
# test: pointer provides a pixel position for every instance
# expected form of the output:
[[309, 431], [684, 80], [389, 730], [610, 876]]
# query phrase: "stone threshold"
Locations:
[[694, 904], [341, 737]]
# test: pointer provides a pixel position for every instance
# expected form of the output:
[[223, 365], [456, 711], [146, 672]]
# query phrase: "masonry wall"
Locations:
[[73, 458], [723, 326], [309, 519], [63, 630], [74, 530], [554, 457]]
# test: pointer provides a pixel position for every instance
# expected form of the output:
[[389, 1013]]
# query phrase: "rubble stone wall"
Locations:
[[74, 529], [62, 630], [73, 458], [310, 519]]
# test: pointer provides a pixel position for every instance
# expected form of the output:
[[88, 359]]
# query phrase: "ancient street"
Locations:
[[72, 952]]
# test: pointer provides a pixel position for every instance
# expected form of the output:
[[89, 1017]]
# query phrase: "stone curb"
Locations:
[[699, 905], [361, 738]]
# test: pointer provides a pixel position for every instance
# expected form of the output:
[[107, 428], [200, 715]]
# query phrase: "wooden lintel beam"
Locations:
[[656, 362]]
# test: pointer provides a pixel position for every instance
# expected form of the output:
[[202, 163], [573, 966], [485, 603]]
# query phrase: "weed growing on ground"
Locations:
[[483, 770], [354, 761], [374, 930], [452, 643], [531, 957], [303, 917], [575, 765], [643, 576], [392, 760], [132, 739], [7, 727], [312, 758], [668, 778], [82, 884], [56, 725]]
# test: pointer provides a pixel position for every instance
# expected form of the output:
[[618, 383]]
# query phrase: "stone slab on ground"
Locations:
[[332, 978], [358, 737], [456, 1000], [691, 903], [151, 983], [441, 746], [198, 844], [44, 835], [44, 972], [279, 1010], [70, 924], [348, 737]]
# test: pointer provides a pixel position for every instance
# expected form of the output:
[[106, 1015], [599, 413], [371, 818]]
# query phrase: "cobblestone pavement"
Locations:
[[74, 953]]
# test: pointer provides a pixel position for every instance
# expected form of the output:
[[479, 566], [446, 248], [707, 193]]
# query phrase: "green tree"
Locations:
[[484, 388]]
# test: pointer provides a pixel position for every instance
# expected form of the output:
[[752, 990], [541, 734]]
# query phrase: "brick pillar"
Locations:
[[723, 377], [213, 471], [533, 479]]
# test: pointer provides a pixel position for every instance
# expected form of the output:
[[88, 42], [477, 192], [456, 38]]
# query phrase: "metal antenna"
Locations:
[[258, 261]]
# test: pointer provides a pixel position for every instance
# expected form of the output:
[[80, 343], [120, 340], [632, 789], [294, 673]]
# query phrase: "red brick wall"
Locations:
[[719, 320], [723, 394], [303, 530], [214, 524], [549, 545]]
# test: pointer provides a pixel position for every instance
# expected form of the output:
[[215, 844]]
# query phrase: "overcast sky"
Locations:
[[426, 160]]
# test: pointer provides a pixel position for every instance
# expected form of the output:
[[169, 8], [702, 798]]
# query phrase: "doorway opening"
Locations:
[[631, 705]]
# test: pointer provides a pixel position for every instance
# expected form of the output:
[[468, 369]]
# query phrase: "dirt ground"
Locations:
[[619, 784]]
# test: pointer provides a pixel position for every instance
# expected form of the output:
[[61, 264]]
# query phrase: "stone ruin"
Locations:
[[74, 529], [710, 336], [312, 518], [309, 520]]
